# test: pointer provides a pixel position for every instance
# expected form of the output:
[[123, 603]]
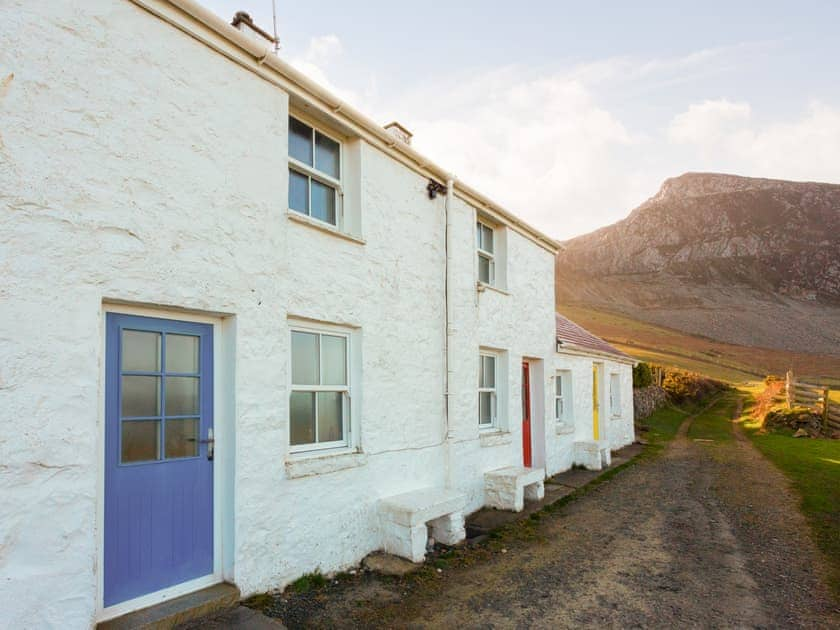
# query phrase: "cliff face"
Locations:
[[745, 260], [776, 236]]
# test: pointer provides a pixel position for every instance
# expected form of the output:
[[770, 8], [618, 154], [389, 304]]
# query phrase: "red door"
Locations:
[[526, 414]]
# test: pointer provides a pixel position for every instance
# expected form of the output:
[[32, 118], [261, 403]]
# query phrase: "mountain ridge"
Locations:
[[753, 261]]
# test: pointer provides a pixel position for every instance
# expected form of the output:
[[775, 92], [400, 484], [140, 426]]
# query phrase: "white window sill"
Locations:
[[483, 286], [494, 437], [297, 217], [564, 428], [322, 463]]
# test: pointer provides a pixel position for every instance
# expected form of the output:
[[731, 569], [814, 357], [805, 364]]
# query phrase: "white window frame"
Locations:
[[494, 391], [310, 172], [564, 378], [615, 394], [345, 391], [483, 253]]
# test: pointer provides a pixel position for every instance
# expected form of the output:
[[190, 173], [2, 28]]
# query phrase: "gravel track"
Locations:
[[707, 534]]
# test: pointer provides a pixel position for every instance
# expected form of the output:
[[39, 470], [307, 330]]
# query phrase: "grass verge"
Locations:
[[813, 467]]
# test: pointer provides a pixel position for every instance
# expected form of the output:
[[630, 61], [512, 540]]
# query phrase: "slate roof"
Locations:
[[572, 335]]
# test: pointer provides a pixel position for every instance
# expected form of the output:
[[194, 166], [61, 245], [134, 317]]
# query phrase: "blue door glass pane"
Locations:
[[140, 441], [323, 202], [300, 141], [181, 395], [140, 396], [182, 354], [298, 192], [181, 438], [141, 351]]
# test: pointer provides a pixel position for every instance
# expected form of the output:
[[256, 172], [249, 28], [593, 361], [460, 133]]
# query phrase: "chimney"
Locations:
[[399, 132], [243, 22]]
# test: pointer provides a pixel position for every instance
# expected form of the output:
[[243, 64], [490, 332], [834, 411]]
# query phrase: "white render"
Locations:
[[148, 175], [572, 443]]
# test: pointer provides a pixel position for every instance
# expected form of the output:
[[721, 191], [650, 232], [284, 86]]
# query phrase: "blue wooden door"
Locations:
[[158, 460]]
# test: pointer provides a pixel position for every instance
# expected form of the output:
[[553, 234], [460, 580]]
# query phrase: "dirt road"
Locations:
[[707, 534]]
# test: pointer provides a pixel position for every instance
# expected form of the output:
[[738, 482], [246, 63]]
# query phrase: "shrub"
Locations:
[[684, 386], [642, 376]]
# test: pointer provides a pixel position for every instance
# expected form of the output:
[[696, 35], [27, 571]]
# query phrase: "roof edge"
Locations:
[[263, 55]]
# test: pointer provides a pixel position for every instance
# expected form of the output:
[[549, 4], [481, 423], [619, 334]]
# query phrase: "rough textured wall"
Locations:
[[152, 171], [617, 428], [646, 400], [520, 323]]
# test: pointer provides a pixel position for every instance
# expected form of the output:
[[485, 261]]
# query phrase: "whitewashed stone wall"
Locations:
[[150, 171], [616, 427]]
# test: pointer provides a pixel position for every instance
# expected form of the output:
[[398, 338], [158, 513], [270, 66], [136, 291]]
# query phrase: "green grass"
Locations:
[[715, 422], [663, 424], [813, 466]]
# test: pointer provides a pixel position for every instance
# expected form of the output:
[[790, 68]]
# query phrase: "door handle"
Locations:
[[210, 442]]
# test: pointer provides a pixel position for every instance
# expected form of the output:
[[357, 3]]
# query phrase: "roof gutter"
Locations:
[[264, 56], [564, 347]]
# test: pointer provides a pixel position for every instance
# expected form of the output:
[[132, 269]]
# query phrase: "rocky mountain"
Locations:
[[743, 260]]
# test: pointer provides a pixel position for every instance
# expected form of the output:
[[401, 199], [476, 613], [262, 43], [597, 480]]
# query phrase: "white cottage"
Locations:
[[246, 333], [593, 400]]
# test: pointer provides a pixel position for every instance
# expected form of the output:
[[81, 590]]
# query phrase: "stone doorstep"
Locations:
[[165, 615], [560, 485]]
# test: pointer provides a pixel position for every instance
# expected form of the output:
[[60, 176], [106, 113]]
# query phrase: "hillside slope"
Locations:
[[752, 262]]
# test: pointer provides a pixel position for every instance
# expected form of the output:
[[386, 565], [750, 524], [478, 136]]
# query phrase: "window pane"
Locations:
[[140, 351], [487, 239], [181, 353], [302, 418], [484, 269], [298, 192], [327, 155], [181, 395], [305, 369], [558, 408], [334, 356], [181, 438], [485, 407], [558, 384], [478, 235], [330, 417], [140, 396], [300, 141], [488, 372], [323, 202], [140, 441]]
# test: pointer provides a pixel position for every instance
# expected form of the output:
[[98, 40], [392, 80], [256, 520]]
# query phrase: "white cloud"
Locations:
[[539, 145], [317, 61], [709, 123], [722, 135]]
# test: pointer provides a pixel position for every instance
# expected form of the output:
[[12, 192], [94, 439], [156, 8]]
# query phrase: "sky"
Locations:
[[571, 114]]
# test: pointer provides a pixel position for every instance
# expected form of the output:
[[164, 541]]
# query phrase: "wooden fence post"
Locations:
[[826, 392], [789, 393]]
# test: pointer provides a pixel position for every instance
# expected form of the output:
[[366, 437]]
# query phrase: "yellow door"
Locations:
[[595, 408]]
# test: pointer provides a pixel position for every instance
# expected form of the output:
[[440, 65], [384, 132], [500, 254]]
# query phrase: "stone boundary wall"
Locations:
[[646, 400]]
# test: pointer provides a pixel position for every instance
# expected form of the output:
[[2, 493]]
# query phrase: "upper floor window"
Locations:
[[319, 403], [485, 237], [314, 173], [487, 391]]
